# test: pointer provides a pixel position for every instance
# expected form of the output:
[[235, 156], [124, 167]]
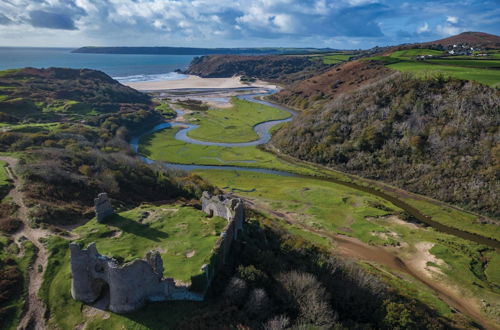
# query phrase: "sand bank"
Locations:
[[194, 82]]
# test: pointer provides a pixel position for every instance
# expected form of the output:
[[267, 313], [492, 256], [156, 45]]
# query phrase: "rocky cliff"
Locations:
[[283, 69]]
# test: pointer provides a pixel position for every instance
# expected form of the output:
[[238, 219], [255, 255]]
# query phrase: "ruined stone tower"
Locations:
[[225, 206], [128, 286], [103, 207]]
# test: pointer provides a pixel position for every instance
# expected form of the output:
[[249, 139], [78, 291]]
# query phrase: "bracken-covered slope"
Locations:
[[340, 79], [438, 137], [70, 130], [475, 39], [43, 94], [279, 68]]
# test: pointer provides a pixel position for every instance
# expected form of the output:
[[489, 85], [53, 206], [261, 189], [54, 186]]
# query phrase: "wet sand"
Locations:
[[194, 82]]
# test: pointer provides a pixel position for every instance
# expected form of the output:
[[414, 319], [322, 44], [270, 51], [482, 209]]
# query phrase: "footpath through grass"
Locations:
[[234, 124]]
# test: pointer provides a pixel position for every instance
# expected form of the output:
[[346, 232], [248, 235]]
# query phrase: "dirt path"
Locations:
[[354, 248], [35, 309]]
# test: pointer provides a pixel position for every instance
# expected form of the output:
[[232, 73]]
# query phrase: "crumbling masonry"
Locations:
[[103, 207], [128, 287]]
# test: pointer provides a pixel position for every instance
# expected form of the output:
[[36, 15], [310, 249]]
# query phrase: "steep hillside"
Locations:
[[475, 39], [47, 94], [270, 68], [69, 129], [439, 137], [344, 78]]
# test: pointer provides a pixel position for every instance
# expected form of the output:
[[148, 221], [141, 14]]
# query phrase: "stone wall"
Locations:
[[129, 286], [232, 209], [103, 207], [225, 206]]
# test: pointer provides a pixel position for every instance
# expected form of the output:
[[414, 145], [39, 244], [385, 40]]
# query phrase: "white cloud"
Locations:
[[210, 23], [423, 28], [448, 30]]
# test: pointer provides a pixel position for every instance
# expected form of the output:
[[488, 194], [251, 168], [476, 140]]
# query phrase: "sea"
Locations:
[[124, 68]]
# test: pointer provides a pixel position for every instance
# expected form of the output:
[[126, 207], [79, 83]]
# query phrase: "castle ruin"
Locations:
[[103, 207], [224, 206], [128, 287]]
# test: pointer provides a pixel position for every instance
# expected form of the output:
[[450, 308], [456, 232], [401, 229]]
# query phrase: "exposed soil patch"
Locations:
[[423, 259], [190, 254], [394, 219], [354, 248]]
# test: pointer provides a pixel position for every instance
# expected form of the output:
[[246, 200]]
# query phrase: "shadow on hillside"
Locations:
[[145, 144], [135, 228]]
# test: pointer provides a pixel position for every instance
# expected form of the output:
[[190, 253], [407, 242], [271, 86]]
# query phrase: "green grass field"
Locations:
[[336, 58], [336, 209], [461, 67], [178, 231], [318, 204], [162, 146], [234, 124], [422, 69], [473, 63], [410, 53]]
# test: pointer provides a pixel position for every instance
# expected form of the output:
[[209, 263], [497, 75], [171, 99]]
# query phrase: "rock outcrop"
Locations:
[[103, 207]]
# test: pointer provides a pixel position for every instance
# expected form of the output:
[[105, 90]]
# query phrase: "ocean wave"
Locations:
[[151, 77]]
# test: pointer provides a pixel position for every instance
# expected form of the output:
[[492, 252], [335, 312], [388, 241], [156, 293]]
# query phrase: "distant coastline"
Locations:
[[200, 51]]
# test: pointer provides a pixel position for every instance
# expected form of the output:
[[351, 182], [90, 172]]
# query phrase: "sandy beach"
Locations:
[[192, 82]]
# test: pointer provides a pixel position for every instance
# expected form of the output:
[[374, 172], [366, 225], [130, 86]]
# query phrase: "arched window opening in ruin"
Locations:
[[102, 301], [211, 213]]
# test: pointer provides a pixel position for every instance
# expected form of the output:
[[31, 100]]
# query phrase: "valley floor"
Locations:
[[367, 221], [439, 269]]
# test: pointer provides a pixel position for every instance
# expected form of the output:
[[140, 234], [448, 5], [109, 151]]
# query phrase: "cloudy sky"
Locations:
[[240, 23]]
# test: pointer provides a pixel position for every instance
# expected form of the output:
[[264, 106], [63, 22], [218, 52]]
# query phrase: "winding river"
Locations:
[[376, 254], [262, 130], [264, 135]]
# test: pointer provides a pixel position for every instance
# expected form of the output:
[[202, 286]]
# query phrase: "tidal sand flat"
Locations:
[[194, 82]]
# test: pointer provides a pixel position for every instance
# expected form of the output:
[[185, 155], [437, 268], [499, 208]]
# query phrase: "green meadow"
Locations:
[[336, 58], [234, 124], [184, 236], [485, 71], [327, 207], [162, 146], [423, 69]]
